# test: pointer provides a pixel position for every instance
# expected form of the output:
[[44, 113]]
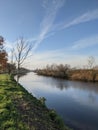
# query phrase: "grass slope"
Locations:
[[19, 110]]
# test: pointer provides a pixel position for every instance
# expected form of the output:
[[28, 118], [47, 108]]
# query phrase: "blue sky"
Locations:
[[61, 31]]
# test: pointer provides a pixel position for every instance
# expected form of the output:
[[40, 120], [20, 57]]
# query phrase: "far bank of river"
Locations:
[[76, 102]]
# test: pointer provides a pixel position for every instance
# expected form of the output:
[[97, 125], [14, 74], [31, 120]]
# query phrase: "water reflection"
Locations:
[[76, 102], [64, 84], [58, 83]]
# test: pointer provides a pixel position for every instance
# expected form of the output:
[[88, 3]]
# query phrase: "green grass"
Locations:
[[19, 110]]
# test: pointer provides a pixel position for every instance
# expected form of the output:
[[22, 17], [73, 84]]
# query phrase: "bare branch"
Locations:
[[21, 52]]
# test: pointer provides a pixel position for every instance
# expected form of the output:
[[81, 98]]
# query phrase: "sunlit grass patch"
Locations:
[[4, 77]]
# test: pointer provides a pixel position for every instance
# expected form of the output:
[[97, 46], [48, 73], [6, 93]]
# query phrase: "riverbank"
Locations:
[[87, 75], [19, 110]]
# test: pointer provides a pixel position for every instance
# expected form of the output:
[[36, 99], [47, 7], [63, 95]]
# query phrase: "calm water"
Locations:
[[76, 102]]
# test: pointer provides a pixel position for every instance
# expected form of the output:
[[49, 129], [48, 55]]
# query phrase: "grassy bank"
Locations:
[[19, 110]]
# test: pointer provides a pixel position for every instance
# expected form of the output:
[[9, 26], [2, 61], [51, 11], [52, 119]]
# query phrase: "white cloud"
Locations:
[[8, 45], [47, 26], [51, 8], [86, 42], [39, 60], [65, 56], [86, 17]]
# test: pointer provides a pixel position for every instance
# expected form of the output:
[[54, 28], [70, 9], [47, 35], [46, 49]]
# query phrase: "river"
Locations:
[[76, 102]]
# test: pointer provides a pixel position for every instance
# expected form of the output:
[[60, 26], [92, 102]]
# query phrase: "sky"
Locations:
[[61, 31]]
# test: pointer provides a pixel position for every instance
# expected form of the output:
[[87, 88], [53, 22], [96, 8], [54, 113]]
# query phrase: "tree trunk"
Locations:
[[17, 80]]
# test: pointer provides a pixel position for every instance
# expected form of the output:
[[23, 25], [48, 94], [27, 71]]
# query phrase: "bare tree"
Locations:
[[12, 56], [21, 52], [11, 67], [91, 62]]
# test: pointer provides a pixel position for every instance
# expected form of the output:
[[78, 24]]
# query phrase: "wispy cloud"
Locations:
[[8, 45], [86, 42], [48, 28], [51, 8], [61, 56], [86, 17]]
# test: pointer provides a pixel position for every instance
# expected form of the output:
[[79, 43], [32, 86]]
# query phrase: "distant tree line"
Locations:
[[87, 73], [55, 71]]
